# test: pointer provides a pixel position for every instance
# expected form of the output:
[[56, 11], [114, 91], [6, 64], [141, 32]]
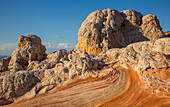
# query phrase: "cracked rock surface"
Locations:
[[106, 29], [108, 71], [29, 49]]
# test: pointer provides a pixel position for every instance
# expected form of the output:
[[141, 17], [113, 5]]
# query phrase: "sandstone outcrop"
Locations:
[[167, 34], [138, 74], [130, 76], [4, 64], [143, 55], [29, 49], [106, 29], [151, 27]]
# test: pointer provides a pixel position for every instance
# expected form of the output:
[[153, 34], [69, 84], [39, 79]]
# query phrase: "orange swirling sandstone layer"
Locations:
[[120, 88], [138, 95], [166, 33]]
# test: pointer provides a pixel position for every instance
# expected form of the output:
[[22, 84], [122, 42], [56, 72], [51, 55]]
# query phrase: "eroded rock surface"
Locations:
[[29, 49], [143, 55], [4, 64], [106, 29], [143, 67], [151, 27]]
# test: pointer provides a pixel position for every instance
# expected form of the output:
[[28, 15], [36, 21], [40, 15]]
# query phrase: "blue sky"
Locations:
[[57, 22]]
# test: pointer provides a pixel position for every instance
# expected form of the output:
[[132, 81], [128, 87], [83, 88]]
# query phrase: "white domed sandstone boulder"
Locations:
[[106, 29], [29, 49], [95, 32]]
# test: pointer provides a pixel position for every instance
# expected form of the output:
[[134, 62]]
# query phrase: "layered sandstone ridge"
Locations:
[[106, 29], [167, 34]]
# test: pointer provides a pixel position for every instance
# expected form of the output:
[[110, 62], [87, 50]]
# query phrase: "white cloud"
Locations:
[[47, 45], [59, 46], [67, 30], [7, 48], [2, 48], [58, 37], [64, 45]]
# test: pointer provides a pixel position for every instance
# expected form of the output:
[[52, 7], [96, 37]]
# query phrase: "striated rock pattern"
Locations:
[[137, 75], [29, 49], [106, 29], [167, 34]]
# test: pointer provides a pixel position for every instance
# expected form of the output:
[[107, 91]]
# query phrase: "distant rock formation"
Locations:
[[29, 49], [136, 75], [3, 56], [106, 29], [167, 34]]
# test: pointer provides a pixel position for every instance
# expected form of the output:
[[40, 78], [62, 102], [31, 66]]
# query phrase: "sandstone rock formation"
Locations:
[[106, 29], [143, 55], [133, 76], [29, 49], [3, 56], [4, 64], [167, 34], [120, 77]]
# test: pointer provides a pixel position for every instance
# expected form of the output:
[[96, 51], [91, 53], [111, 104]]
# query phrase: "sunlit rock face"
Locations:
[[136, 75], [106, 29], [167, 34], [29, 49]]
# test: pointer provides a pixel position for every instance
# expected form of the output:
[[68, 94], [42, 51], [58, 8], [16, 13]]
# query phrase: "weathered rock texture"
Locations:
[[4, 64], [143, 55], [106, 29], [133, 76], [138, 75], [29, 49]]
